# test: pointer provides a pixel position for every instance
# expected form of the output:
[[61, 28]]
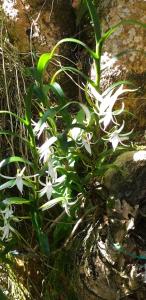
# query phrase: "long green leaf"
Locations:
[[13, 159], [8, 184], [58, 91], [115, 27], [83, 106], [95, 19], [51, 203], [41, 236], [76, 41], [14, 115], [74, 71], [18, 200], [42, 64]]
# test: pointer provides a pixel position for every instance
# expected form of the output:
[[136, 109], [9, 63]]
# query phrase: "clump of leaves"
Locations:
[[65, 149]]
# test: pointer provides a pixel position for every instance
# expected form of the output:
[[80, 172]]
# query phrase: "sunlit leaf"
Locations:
[[42, 63], [51, 203], [8, 184], [14, 159]]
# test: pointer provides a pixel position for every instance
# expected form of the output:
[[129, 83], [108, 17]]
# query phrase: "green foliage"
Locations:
[[66, 149]]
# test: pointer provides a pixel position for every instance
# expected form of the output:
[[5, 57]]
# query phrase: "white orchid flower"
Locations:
[[38, 129], [86, 141], [116, 137], [82, 138], [48, 186], [6, 231], [47, 189], [52, 171], [45, 151], [75, 133], [109, 116], [105, 102], [7, 215], [19, 179], [66, 205]]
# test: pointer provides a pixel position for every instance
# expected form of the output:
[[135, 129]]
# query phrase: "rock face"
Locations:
[[131, 41], [126, 179], [112, 264], [39, 24]]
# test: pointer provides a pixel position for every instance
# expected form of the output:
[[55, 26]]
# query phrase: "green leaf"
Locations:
[[8, 184], [76, 41], [115, 27], [18, 200], [44, 244], [56, 88], [58, 91], [42, 64], [42, 237], [84, 108], [28, 102], [13, 159], [81, 12], [73, 71], [51, 203], [13, 115], [95, 19]]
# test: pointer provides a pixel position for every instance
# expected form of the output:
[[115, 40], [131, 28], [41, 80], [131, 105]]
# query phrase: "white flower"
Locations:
[[47, 189], [48, 186], [116, 137], [75, 133], [86, 141], [7, 215], [7, 212], [45, 151], [19, 182], [52, 171], [38, 128], [83, 138], [105, 102], [6, 231], [66, 205]]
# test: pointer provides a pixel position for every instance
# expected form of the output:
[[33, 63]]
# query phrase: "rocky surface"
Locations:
[[38, 24], [112, 264]]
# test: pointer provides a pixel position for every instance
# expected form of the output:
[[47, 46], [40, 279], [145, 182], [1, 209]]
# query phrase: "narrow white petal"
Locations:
[[19, 183], [43, 191], [115, 141], [96, 95], [49, 190], [121, 128], [87, 147], [107, 119], [60, 179], [22, 171]]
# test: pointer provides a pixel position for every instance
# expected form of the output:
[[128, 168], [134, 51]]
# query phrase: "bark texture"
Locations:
[[112, 264], [131, 41]]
